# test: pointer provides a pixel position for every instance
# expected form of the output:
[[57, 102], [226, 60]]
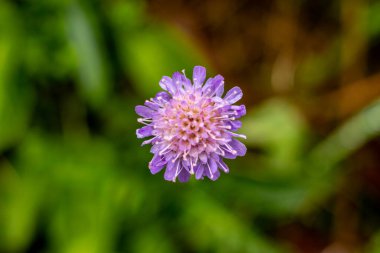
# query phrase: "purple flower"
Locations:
[[192, 126]]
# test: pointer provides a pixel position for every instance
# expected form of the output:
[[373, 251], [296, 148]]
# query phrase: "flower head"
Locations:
[[192, 126]]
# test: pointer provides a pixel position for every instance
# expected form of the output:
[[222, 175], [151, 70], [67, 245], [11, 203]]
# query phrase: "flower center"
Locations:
[[190, 125]]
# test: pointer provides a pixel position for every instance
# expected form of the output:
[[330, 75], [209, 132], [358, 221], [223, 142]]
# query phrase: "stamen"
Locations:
[[144, 120], [212, 175], [152, 102], [178, 155], [237, 135], [224, 127], [166, 148], [149, 141], [191, 167], [221, 117], [230, 149], [221, 150], [177, 170], [224, 168]]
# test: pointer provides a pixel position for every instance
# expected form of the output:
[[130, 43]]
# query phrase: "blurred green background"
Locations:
[[74, 179]]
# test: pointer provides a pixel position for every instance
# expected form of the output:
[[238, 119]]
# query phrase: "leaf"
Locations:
[[347, 138], [93, 73], [78, 188], [219, 230], [154, 52], [374, 244], [278, 128], [18, 212], [15, 93]]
